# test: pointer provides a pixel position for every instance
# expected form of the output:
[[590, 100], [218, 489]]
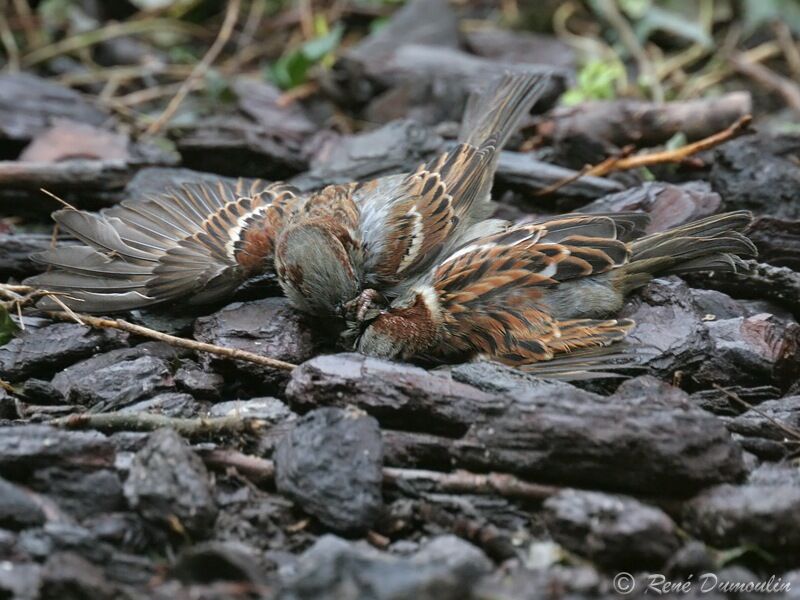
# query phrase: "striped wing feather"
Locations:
[[201, 240]]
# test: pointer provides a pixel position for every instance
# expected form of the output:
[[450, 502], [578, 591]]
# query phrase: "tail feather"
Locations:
[[712, 244], [492, 116]]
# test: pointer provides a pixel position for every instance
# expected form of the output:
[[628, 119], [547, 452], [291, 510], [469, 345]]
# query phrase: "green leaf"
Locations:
[[762, 12], [7, 326], [658, 19], [597, 80], [291, 69]]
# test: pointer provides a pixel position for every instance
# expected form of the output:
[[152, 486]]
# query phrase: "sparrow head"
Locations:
[[406, 330], [314, 263]]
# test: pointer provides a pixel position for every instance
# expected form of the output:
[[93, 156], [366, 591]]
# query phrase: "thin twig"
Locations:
[[587, 170], [262, 470], [767, 78], [7, 38], [103, 34], [233, 353], [788, 430], [133, 421], [678, 154], [623, 162], [225, 31]]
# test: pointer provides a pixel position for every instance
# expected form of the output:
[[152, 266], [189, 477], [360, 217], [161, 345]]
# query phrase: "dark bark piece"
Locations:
[[623, 122], [521, 47], [398, 395], [68, 140], [18, 510], [238, 146], [445, 569], [777, 240], [610, 530], [16, 250], [721, 403], [634, 445], [429, 22], [28, 105], [762, 512], [397, 147], [200, 383], [218, 561], [750, 351], [157, 180], [668, 205], [86, 184], [116, 379], [525, 174], [780, 285], [268, 409], [259, 100], [548, 433], [759, 173], [330, 464], [21, 580], [80, 494], [169, 404], [580, 582], [168, 481], [70, 576], [26, 448], [270, 327], [771, 430], [668, 327], [78, 175]]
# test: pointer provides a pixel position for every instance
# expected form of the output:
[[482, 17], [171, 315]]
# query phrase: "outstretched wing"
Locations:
[[200, 242]]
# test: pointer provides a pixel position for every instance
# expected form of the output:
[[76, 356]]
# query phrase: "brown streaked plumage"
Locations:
[[397, 226], [198, 242], [534, 292]]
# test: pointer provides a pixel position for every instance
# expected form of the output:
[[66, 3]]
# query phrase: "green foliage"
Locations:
[[7, 326], [686, 27], [291, 69], [762, 12], [597, 80]]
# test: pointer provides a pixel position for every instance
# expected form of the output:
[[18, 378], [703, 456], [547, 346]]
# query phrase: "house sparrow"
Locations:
[[534, 292], [349, 243], [196, 243]]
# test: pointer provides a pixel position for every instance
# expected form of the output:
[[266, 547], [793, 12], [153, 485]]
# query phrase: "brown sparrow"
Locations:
[[536, 291], [349, 243], [197, 243]]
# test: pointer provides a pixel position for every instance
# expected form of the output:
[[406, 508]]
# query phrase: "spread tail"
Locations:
[[711, 244]]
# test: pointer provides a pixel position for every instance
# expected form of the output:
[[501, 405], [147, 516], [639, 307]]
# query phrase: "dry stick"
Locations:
[[8, 41], [625, 163], [262, 470], [767, 78], [85, 40], [587, 170], [788, 430], [172, 340], [231, 16], [121, 421]]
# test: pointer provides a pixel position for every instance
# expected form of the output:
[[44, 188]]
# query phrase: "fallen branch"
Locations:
[[225, 31], [261, 470], [172, 340], [624, 162], [770, 80], [190, 428], [15, 294]]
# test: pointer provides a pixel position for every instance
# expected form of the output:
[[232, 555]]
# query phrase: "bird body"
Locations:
[[536, 291]]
